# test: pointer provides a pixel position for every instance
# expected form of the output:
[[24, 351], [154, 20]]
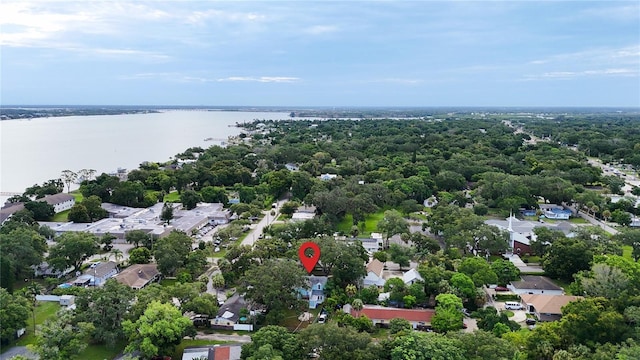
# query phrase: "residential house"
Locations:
[[215, 352], [556, 212], [315, 293], [291, 167], [229, 314], [375, 269], [533, 284], [430, 202], [139, 275], [370, 245], [383, 315], [97, 274], [546, 307], [411, 277], [46, 270], [60, 202], [327, 177]]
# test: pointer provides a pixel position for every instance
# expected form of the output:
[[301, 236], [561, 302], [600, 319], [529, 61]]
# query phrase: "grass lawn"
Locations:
[[61, 216], [627, 252], [509, 313], [44, 310], [577, 220], [168, 282], [77, 195], [99, 352], [192, 343], [292, 323], [172, 197], [371, 222]]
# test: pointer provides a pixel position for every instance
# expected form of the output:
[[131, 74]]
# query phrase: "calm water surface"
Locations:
[[33, 151]]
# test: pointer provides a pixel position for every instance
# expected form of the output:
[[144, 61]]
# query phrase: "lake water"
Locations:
[[34, 151]]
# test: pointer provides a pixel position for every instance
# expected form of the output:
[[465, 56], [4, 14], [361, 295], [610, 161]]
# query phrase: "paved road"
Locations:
[[267, 219], [223, 337]]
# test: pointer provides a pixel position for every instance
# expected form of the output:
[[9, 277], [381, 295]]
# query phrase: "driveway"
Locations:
[[18, 350]]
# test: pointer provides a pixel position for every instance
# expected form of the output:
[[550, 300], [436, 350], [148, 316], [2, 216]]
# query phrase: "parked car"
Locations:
[[530, 321], [513, 305], [500, 288], [322, 318]]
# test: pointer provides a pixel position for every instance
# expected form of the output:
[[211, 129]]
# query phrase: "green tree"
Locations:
[[41, 210], [283, 343], [425, 346], [567, 257], [463, 285], [401, 255], [167, 213], [93, 204], [137, 237], [157, 331], [214, 194], [190, 199], [14, 312], [481, 345], [398, 324], [68, 177], [335, 343], [448, 315], [72, 249], [391, 224], [273, 284], [61, 337], [140, 255], [22, 248], [79, 214], [172, 251], [289, 207], [105, 307], [479, 270], [505, 271]]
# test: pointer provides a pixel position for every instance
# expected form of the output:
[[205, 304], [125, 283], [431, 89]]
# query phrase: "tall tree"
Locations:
[[391, 224], [72, 249], [167, 213], [190, 199], [68, 177], [157, 331], [21, 248], [61, 337], [448, 315], [273, 284], [14, 312], [105, 307]]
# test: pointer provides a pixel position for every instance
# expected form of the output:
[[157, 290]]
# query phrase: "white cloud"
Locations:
[[565, 75], [262, 79], [321, 29]]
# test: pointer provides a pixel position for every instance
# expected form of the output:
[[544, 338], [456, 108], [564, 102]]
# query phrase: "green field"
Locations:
[[77, 195], [371, 221], [44, 310], [172, 197], [99, 352], [61, 216], [577, 220], [627, 252]]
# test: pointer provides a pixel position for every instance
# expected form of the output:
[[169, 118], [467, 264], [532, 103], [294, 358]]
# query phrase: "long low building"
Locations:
[[383, 315], [124, 219]]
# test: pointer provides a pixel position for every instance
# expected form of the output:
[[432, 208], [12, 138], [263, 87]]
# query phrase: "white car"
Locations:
[[512, 305]]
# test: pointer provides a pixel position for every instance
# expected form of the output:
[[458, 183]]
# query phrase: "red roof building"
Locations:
[[383, 315]]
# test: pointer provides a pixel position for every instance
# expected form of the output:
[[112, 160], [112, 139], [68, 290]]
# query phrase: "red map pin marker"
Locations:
[[309, 262]]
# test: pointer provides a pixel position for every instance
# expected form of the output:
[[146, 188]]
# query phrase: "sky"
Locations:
[[320, 53]]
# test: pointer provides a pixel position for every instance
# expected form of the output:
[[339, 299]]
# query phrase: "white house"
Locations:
[[60, 202], [533, 284], [411, 277], [327, 177], [97, 274]]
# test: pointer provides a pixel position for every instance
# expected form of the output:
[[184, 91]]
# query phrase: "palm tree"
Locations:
[[117, 254], [351, 290], [357, 305], [217, 281]]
